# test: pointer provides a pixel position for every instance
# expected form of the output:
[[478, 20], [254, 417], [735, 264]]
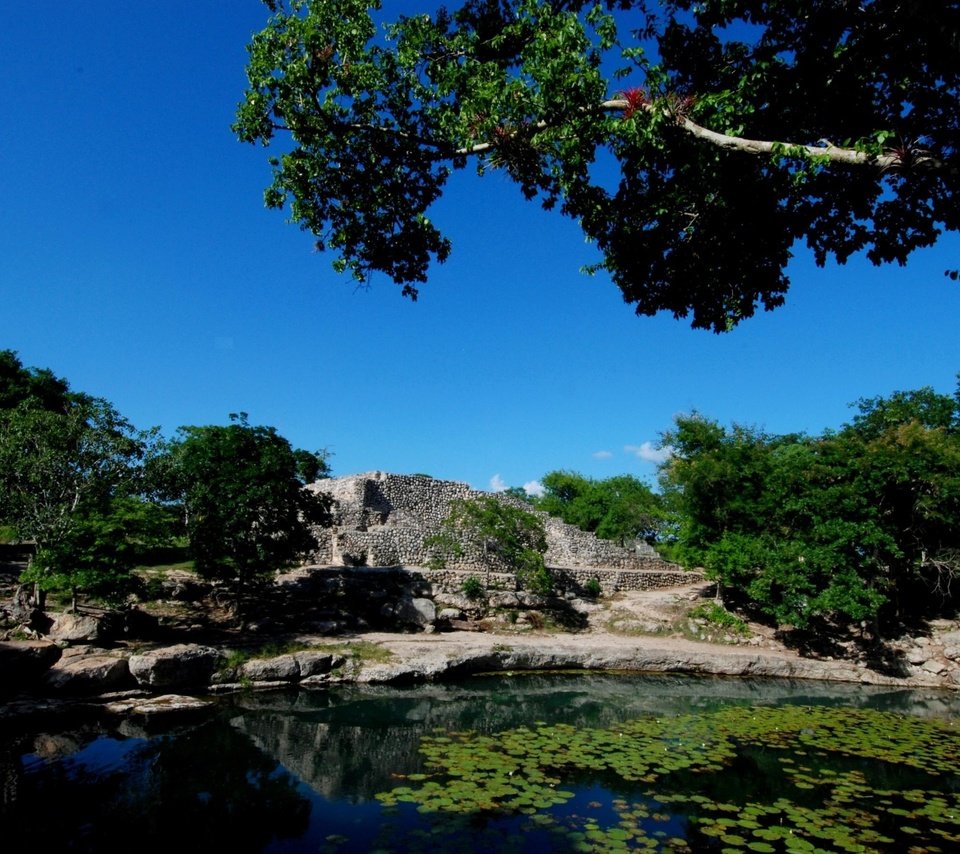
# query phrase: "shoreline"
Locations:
[[381, 658], [648, 632], [425, 658]]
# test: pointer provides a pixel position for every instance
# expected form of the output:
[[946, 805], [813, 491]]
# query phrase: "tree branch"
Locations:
[[728, 142], [833, 153]]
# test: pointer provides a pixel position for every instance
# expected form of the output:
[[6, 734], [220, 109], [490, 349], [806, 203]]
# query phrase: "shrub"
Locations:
[[715, 614], [533, 573], [472, 587], [592, 588]]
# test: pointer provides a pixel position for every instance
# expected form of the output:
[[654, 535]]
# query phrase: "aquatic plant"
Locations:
[[754, 779]]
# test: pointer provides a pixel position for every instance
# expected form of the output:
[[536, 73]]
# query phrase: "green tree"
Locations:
[[502, 530], [621, 508], [60, 476], [860, 524], [99, 548], [40, 387], [247, 511], [734, 129]]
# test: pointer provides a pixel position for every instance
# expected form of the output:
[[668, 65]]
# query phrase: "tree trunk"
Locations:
[[22, 607], [39, 599], [238, 601]]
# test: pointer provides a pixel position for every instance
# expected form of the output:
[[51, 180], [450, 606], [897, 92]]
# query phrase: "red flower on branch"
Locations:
[[636, 100]]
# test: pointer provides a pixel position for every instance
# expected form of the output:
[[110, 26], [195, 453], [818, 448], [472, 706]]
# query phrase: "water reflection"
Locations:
[[297, 772]]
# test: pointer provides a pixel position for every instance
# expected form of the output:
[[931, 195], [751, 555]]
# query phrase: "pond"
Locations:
[[547, 762]]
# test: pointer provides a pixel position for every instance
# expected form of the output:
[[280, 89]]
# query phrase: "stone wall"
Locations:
[[430, 582], [382, 519], [633, 580]]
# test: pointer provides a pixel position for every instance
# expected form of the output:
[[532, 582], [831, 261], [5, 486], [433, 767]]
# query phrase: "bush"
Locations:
[[472, 587], [716, 615], [533, 573], [592, 588]]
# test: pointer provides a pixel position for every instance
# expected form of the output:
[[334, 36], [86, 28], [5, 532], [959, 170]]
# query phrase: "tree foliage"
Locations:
[[621, 508], [852, 525], [502, 530], [103, 542], [694, 141], [38, 387], [68, 462], [247, 511]]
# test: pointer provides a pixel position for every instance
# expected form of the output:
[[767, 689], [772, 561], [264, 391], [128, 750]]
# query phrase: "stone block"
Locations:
[[88, 674], [186, 665], [315, 663], [74, 628], [280, 668]]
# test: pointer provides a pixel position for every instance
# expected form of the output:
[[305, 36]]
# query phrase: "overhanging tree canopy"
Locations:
[[737, 128]]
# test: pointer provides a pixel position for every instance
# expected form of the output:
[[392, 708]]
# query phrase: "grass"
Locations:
[[358, 654], [362, 652], [162, 569], [239, 657], [716, 616]]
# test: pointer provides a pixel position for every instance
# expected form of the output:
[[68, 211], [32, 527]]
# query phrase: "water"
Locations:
[[318, 771]]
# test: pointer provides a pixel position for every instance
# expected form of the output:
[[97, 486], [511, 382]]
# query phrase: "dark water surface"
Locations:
[[526, 763]]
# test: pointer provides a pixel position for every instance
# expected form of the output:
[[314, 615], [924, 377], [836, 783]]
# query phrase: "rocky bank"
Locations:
[[648, 632]]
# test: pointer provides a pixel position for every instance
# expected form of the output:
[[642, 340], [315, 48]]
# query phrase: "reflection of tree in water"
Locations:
[[39, 749], [206, 788], [11, 772], [351, 743], [228, 784]]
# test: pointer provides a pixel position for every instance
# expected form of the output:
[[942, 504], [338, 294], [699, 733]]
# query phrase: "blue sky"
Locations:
[[137, 261]]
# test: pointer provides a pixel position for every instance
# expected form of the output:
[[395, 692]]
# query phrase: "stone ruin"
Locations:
[[386, 520]]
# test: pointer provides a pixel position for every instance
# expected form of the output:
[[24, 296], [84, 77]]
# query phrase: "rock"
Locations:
[[416, 612], [186, 665], [951, 645], [88, 674], [183, 587], [128, 623], [316, 663], [73, 628], [24, 662], [933, 666], [164, 704], [450, 614], [22, 608], [466, 626], [642, 627], [281, 668], [916, 655], [104, 626], [503, 600], [284, 669]]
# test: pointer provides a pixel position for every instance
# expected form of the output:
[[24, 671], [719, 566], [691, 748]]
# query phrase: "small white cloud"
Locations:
[[649, 453], [602, 455], [498, 484], [535, 488]]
